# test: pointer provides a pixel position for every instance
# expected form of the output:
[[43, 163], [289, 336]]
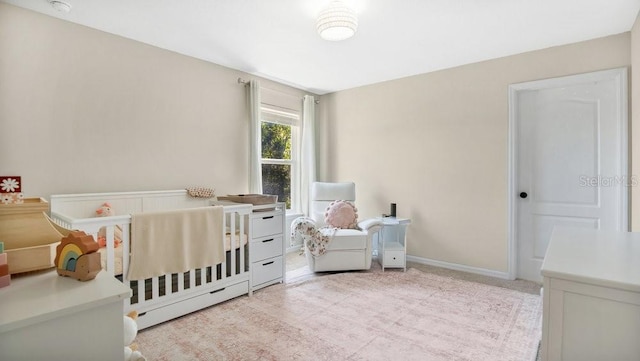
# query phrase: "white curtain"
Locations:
[[307, 152], [255, 154]]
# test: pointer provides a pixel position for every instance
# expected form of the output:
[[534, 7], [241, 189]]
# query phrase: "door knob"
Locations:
[[523, 195]]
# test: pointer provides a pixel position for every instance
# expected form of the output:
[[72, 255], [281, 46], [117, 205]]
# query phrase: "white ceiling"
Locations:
[[277, 39]]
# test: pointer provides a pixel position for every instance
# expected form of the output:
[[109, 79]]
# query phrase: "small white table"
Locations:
[[392, 243]]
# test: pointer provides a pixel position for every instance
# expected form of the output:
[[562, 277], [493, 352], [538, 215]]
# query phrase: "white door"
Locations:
[[569, 160]]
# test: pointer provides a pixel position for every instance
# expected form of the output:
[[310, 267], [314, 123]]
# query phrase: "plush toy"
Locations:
[[131, 352], [106, 210]]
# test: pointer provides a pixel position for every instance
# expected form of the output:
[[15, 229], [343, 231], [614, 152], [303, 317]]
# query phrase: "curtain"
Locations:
[[307, 152], [255, 154]]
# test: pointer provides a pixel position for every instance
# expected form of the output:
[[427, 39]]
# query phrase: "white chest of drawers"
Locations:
[[266, 245], [48, 317], [591, 297]]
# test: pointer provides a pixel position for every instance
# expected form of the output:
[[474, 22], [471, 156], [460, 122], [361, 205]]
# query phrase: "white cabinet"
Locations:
[[392, 243], [591, 296], [48, 317], [266, 245]]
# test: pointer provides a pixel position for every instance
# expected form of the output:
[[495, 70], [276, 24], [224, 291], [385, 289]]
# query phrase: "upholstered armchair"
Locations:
[[345, 249]]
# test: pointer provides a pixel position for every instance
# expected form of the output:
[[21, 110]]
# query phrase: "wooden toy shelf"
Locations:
[[29, 238]]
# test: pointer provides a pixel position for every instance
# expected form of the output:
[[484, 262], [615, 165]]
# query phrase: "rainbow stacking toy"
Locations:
[[77, 256]]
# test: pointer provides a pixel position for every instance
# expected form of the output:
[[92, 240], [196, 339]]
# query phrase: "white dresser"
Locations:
[[591, 283], [48, 317], [267, 245]]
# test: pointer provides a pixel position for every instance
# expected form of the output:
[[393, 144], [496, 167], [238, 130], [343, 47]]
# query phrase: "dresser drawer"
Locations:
[[267, 270], [394, 259], [264, 248], [266, 225]]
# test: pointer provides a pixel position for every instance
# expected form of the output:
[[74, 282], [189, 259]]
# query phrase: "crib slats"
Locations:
[[140, 290], [180, 282], [111, 258], [167, 285], [232, 254], [125, 249], [242, 232], [155, 289]]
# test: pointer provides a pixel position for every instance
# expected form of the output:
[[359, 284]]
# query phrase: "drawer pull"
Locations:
[[267, 217], [268, 240], [216, 291], [268, 263], [142, 314]]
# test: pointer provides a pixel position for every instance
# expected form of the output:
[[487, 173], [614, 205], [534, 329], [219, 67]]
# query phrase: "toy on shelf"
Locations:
[[131, 352], [30, 239], [77, 256], [5, 277]]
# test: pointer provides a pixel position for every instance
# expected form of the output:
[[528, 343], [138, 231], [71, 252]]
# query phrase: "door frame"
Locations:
[[620, 75]]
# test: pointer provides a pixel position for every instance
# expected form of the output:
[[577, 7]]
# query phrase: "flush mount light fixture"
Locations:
[[61, 6], [337, 22]]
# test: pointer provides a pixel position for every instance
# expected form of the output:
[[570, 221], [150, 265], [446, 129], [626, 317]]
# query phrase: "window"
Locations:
[[280, 134]]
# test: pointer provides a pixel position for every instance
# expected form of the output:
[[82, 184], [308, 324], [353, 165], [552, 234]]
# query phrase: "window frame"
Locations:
[[278, 115]]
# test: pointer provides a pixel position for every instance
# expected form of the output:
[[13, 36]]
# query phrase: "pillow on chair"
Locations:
[[341, 214]]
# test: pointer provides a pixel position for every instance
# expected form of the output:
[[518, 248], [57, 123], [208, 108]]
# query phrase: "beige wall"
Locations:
[[635, 122], [436, 144], [86, 111]]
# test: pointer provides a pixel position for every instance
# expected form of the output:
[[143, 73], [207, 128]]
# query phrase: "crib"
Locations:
[[162, 298]]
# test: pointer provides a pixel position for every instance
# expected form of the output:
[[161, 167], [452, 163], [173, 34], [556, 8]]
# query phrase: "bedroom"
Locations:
[[87, 111]]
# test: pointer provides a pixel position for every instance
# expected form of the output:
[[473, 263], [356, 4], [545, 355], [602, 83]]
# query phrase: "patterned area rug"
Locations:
[[358, 316]]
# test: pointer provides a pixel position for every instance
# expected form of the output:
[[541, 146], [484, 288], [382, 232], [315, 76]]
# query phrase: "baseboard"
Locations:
[[459, 267]]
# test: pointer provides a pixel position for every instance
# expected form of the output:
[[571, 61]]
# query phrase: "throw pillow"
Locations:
[[341, 214]]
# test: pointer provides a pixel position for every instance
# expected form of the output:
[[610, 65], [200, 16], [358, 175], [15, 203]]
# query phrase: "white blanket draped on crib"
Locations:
[[176, 241]]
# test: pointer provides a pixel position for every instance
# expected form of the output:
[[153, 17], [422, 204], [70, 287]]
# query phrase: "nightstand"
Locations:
[[392, 243]]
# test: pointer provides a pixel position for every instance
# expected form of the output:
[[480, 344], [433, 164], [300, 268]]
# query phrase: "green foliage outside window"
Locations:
[[276, 145]]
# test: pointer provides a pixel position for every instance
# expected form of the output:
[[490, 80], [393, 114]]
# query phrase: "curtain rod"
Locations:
[[245, 82]]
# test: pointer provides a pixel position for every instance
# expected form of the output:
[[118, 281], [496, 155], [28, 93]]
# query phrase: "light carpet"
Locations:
[[358, 316]]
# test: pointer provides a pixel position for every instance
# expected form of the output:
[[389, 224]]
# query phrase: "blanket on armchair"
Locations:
[[314, 240]]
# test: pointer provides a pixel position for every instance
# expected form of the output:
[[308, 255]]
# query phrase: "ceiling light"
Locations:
[[61, 6], [337, 22]]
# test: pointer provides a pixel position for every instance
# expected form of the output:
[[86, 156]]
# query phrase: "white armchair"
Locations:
[[349, 249]]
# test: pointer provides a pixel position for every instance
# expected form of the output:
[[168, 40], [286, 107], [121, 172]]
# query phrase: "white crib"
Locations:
[[162, 298]]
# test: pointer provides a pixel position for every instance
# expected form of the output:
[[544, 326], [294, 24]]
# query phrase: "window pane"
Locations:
[[276, 179], [276, 141]]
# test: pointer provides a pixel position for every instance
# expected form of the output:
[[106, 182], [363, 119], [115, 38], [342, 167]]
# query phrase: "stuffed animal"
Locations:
[[106, 210], [131, 352]]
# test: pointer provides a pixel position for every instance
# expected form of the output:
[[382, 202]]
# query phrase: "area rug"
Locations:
[[358, 316]]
